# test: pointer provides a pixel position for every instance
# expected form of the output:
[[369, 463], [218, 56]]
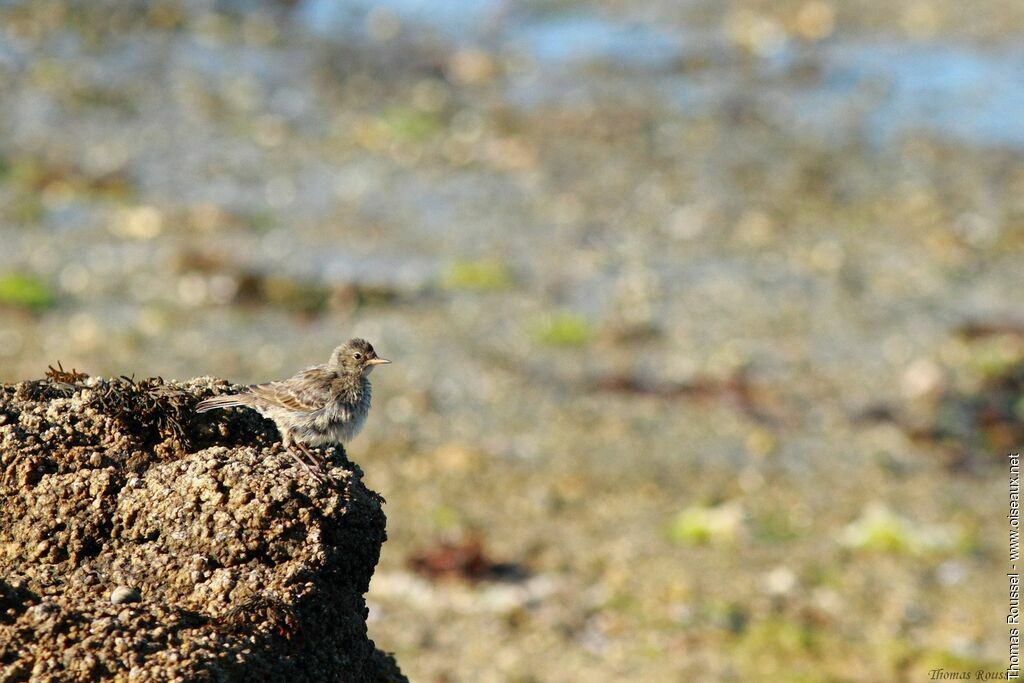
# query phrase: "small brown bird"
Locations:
[[320, 406]]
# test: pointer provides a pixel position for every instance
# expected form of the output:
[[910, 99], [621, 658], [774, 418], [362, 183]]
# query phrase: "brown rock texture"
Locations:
[[227, 562]]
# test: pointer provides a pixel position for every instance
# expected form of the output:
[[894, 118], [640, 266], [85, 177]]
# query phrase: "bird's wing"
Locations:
[[306, 392]]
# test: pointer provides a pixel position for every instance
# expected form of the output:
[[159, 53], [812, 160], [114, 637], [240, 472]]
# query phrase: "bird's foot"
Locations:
[[319, 463], [316, 473]]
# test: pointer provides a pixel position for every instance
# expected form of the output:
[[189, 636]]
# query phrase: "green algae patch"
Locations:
[[879, 529], [563, 329], [410, 125], [477, 276], [25, 291], [697, 525]]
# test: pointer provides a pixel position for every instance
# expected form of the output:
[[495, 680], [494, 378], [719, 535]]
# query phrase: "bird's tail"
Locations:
[[222, 402]]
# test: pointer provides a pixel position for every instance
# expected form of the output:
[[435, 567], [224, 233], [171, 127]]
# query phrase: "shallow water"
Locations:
[[875, 89], [973, 96]]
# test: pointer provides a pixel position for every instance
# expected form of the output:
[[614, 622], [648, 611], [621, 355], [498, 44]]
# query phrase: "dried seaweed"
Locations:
[[979, 410], [972, 425], [59, 375], [466, 559], [58, 383], [147, 409], [749, 398]]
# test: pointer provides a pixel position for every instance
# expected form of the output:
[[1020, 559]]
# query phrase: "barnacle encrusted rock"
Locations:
[[246, 568]]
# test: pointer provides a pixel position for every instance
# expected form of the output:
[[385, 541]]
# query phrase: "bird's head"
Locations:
[[356, 355]]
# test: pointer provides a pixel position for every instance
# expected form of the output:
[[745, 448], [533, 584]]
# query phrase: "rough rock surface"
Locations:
[[247, 569]]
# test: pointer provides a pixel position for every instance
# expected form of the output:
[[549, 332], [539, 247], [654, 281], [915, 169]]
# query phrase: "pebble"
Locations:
[[125, 594]]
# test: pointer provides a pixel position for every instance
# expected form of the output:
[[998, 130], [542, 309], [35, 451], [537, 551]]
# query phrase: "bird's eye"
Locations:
[[357, 355]]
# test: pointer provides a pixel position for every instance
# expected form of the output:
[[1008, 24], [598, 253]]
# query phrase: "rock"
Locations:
[[251, 570], [124, 594]]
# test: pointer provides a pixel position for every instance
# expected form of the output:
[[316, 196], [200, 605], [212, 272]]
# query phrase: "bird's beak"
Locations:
[[378, 361]]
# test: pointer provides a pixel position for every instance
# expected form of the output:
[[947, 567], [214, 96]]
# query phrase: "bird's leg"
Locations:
[[288, 443], [313, 472], [318, 460], [315, 456]]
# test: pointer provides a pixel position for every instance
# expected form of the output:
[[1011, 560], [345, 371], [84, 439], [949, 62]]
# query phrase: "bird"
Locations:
[[322, 405]]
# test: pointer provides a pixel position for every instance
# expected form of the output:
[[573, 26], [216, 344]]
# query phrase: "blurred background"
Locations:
[[705, 315]]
